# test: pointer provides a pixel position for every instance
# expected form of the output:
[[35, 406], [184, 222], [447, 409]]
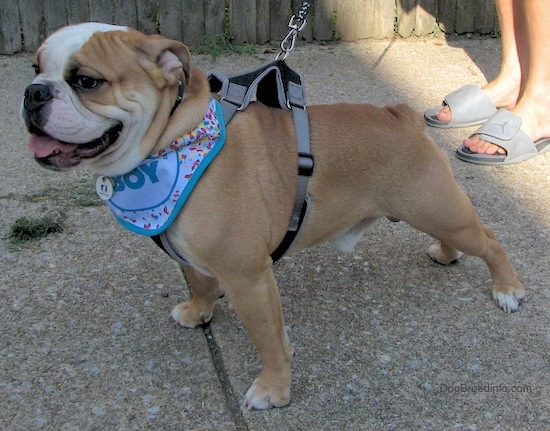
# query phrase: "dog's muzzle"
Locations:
[[48, 151], [34, 103], [36, 96]]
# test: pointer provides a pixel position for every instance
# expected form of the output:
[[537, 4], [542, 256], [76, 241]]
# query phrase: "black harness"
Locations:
[[275, 85]]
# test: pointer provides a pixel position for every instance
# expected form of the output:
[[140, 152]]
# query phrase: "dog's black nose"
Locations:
[[36, 95]]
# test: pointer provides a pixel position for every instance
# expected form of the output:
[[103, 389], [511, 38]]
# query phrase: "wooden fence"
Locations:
[[24, 23]]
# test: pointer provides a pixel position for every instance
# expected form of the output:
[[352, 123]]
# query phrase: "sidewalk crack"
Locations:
[[231, 399]]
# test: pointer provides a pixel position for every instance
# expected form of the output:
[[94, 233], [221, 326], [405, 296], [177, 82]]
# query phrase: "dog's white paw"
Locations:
[[186, 314], [262, 396], [509, 299], [446, 257]]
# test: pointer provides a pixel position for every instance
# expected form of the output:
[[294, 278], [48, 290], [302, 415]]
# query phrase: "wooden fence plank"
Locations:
[[55, 15], [425, 22], [323, 20], [147, 16], [447, 15], [280, 12], [465, 16], [263, 24], [366, 24], [406, 16], [125, 13], [32, 25], [171, 19], [193, 22], [78, 11], [496, 25], [345, 19], [416, 16], [214, 17], [242, 21], [101, 11], [374, 19], [485, 17], [10, 29]]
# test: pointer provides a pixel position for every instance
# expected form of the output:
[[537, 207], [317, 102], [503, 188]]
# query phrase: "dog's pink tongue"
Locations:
[[43, 146]]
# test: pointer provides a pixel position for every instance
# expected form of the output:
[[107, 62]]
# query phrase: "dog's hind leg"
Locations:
[[508, 292], [453, 221], [206, 291], [444, 254]]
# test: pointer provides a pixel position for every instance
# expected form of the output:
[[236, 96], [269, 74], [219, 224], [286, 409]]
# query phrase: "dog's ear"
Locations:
[[170, 56]]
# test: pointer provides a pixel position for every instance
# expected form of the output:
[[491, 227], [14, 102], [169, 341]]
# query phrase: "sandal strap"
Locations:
[[503, 129], [468, 104]]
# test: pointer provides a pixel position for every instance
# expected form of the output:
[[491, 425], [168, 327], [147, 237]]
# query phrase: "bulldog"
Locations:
[[108, 97]]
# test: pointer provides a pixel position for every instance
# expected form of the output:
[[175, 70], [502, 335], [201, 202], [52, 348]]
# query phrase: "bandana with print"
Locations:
[[147, 199]]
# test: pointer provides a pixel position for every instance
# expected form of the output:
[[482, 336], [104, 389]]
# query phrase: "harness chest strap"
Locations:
[[278, 86], [275, 85]]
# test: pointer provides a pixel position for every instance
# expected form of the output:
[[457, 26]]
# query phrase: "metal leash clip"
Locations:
[[296, 24]]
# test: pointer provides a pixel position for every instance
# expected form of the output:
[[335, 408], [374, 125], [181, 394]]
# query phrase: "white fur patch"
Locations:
[[508, 303], [346, 241], [60, 45], [69, 121]]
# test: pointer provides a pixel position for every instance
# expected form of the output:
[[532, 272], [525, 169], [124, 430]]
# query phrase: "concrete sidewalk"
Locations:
[[384, 338]]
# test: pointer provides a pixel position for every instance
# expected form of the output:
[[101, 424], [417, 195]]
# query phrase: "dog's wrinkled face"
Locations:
[[96, 96]]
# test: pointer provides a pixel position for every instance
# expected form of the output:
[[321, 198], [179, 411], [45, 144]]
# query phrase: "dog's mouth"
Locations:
[[53, 153]]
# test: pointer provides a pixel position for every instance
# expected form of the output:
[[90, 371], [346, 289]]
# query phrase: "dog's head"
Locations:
[[102, 96]]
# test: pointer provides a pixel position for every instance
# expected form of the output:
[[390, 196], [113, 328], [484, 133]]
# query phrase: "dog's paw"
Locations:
[[188, 315], [443, 255], [509, 298], [262, 395]]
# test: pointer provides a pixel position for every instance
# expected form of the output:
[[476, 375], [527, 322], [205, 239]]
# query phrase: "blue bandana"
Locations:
[[147, 199]]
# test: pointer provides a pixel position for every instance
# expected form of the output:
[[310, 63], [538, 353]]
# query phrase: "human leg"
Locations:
[[504, 89], [533, 44]]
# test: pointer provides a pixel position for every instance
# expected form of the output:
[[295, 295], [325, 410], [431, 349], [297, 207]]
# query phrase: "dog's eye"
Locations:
[[36, 68], [84, 82], [87, 82]]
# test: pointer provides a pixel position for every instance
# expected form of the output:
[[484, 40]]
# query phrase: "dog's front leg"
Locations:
[[256, 301], [206, 291]]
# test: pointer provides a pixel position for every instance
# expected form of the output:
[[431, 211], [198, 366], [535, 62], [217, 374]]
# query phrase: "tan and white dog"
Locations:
[[103, 97]]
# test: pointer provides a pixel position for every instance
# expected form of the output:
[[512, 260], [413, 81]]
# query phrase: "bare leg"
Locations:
[[533, 42], [503, 91]]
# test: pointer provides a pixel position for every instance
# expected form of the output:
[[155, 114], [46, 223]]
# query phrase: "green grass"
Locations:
[[220, 44], [27, 229], [56, 200]]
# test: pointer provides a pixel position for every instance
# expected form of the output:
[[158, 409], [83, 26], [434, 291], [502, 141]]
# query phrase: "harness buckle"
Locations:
[[306, 164]]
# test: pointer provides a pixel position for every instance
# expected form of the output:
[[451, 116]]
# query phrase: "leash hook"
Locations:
[[296, 25]]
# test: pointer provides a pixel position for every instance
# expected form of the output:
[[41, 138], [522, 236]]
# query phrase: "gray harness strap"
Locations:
[[275, 85]]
